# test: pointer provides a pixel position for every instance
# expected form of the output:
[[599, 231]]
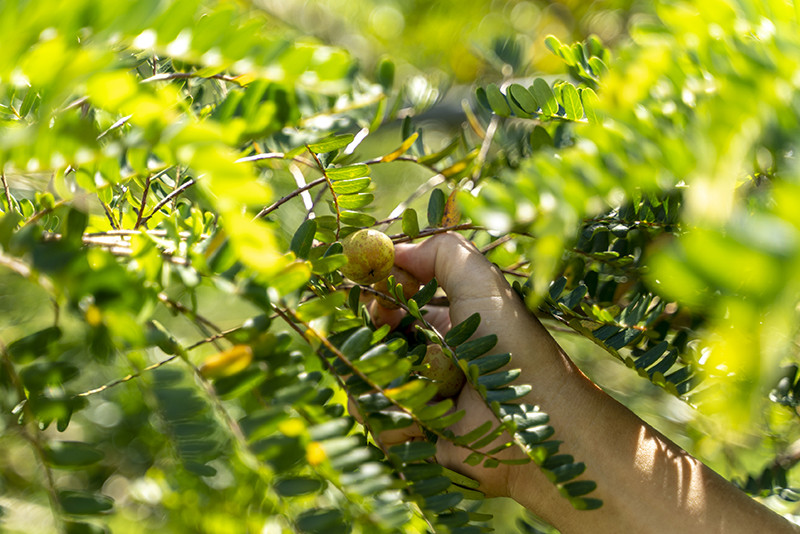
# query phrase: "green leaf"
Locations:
[[320, 520], [571, 101], [540, 138], [436, 208], [294, 486], [545, 97], [71, 454], [354, 218], [472, 349], [441, 502], [355, 185], [319, 307], [34, 345], [496, 380], [27, 103], [357, 344], [430, 486], [332, 143], [568, 472], [463, 330], [327, 264], [590, 103], [578, 488], [385, 75], [83, 503], [414, 451], [537, 434], [353, 299], [303, 238], [356, 200], [523, 98], [350, 172], [497, 101], [426, 293], [487, 364], [410, 223]]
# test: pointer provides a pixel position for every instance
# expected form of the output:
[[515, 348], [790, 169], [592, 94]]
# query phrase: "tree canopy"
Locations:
[[178, 342]]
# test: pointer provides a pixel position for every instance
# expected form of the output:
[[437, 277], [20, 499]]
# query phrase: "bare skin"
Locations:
[[647, 483]]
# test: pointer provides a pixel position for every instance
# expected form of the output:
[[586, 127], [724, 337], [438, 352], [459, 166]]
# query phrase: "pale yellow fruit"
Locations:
[[401, 276], [370, 256], [442, 370]]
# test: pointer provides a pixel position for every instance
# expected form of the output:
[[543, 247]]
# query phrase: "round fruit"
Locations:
[[370, 256], [401, 276], [442, 370]]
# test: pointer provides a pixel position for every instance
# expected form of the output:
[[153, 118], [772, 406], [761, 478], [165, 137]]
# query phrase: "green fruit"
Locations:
[[441, 369], [401, 276], [370, 256]]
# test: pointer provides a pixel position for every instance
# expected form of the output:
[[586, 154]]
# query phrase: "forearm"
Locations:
[[647, 483]]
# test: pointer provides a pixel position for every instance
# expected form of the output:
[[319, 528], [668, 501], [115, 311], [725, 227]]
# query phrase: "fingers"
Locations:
[[471, 282]]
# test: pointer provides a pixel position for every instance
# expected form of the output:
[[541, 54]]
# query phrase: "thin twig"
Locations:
[[186, 311], [167, 76], [8, 192], [143, 203], [128, 377], [269, 209], [330, 186], [496, 243], [175, 192], [403, 238], [109, 216], [276, 155]]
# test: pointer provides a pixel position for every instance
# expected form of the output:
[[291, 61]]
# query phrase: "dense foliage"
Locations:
[[178, 344]]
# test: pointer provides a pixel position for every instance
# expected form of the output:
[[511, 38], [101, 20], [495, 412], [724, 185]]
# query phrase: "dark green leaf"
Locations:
[[492, 362], [426, 293], [430, 486], [422, 471], [386, 70], [303, 238], [77, 527], [496, 380], [320, 520], [413, 451], [294, 486], [71, 454], [34, 345], [83, 503], [436, 208], [441, 502], [568, 471], [508, 393], [472, 349], [463, 330], [353, 299], [578, 488], [651, 355]]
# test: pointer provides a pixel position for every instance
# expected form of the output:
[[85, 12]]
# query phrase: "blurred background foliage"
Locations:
[[652, 226]]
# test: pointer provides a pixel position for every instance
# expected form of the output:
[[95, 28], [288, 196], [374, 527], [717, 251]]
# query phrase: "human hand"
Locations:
[[472, 284]]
